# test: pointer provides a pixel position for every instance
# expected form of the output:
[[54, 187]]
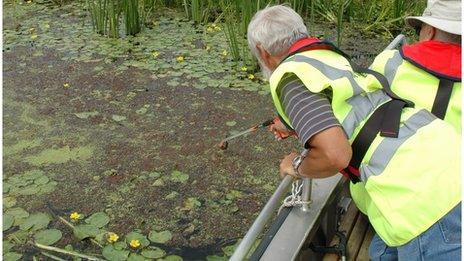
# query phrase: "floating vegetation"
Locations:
[[118, 128], [29, 183]]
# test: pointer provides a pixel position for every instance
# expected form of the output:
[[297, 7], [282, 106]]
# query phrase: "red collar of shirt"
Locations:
[[438, 58], [302, 43]]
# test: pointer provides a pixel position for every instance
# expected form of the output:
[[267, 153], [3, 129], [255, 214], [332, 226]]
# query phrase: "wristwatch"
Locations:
[[296, 162]]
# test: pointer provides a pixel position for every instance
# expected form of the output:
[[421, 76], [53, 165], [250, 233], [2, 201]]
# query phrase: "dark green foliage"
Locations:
[[131, 16]]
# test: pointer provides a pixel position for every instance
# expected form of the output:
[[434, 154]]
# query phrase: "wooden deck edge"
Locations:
[[359, 233]]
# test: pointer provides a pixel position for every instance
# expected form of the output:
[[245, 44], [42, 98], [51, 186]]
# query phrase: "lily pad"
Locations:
[[120, 245], [8, 221], [17, 213], [6, 187], [172, 258], [190, 204], [229, 250], [216, 258], [30, 190], [85, 231], [142, 110], [137, 236], [12, 256], [178, 176], [158, 183], [160, 237], [7, 246], [231, 123], [233, 194], [136, 257], [99, 219], [32, 174], [9, 202], [118, 118], [48, 237], [35, 222], [110, 253], [47, 188], [172, 195], [21, 236], [153, 252], [41, 180], [154, 174], [85, 115]]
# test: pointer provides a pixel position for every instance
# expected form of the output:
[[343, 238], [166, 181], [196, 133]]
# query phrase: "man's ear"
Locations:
[[427, 33], [265, 56]]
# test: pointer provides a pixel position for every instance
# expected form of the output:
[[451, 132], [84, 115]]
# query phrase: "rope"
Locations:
[[294, 199]]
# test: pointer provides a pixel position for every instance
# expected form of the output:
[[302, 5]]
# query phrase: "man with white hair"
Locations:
[[352, 122], [429, 72]]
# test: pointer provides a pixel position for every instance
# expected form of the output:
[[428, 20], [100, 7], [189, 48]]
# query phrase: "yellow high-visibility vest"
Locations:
[[418, 85], [407, 183]]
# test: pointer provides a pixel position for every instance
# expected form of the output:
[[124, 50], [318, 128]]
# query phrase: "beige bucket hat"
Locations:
[[441, 14]]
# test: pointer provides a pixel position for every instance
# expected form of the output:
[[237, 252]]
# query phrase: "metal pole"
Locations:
[[306, 193], [263, 217], [399, 40]]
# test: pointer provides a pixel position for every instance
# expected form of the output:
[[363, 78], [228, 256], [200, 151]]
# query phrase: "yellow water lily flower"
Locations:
[[207, 47], [224, 52], [244, 69], [134, 243], [66, 85], [31, 30], [209, 29], [34, 36], [75, 216], [251, 76], [29, 2], [155, 54], [180, 58], [112, 237]]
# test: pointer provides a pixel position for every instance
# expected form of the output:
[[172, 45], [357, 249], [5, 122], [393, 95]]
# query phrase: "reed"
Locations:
[[98, 13], [195, 7], [131, 17], [114, 12]]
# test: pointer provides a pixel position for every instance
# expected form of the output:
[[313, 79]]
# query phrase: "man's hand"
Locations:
[[286, 167], [280, 131]]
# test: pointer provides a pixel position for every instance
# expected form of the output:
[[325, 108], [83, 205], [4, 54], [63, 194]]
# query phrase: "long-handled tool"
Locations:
[[225, 142]]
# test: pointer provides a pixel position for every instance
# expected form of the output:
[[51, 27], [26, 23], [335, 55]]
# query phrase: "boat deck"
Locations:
[[355, 226], [359, 233]]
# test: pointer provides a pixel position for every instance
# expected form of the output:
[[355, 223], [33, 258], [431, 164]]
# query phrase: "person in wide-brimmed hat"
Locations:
[[429, 74], [429, 71]]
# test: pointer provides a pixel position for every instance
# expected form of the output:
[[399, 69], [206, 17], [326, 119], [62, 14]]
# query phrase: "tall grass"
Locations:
[[375, 15], [114, 12], [99, 14], [131, 17]]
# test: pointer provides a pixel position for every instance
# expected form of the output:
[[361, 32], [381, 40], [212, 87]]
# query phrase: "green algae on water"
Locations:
[[61, 155]]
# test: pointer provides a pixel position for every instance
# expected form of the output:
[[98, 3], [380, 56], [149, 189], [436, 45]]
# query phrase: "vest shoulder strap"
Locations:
[[386, 120], [442, 98]]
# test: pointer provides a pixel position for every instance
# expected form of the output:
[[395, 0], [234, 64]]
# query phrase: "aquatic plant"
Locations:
[[98, 14], [131, 16]]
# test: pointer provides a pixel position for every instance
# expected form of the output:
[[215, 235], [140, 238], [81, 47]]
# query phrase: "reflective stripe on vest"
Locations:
[[399, 176], [440, 96]]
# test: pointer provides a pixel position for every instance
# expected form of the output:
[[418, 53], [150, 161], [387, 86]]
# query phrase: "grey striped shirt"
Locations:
[[309, 113]]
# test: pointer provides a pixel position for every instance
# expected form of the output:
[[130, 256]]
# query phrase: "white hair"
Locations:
[[275, 29]]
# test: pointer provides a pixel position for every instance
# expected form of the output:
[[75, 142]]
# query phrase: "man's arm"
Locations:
[[329, 153], [312, 117]]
